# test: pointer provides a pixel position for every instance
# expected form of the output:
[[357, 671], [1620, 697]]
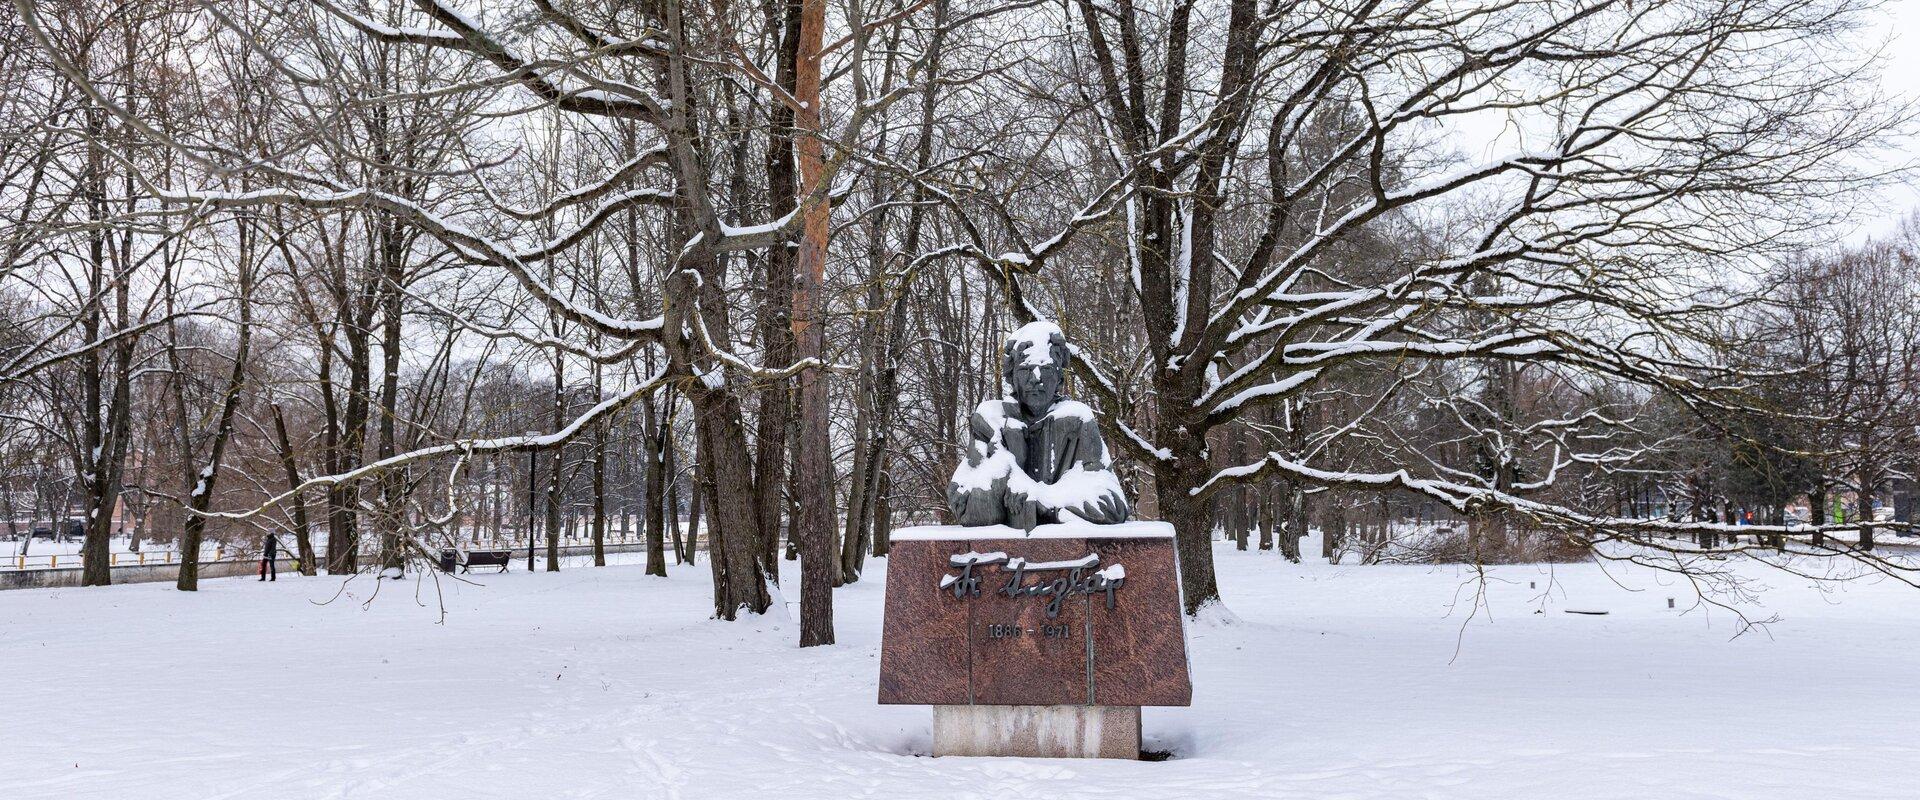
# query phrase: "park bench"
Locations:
[[487, 558]]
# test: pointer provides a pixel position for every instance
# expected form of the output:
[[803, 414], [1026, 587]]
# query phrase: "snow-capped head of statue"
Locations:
[[1035, 456], [1036, 362]]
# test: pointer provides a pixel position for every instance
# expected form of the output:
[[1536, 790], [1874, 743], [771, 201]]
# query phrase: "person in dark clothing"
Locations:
[[269, 571]]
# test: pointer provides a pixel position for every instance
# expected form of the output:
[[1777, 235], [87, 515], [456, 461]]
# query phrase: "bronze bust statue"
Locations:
[[1035, 456]]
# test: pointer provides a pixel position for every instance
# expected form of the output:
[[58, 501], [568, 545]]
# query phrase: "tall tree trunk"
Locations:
[[1333, 531], [691, 541], [704, 500], [1817, 513], [1237, 521], [883, 514], [392, 516], [725, 482], [343, 499], [853, 538], [697, 288], [200, 499], [302, 537], [555, 475], [1267, 518], [1291, 514], [105, 384], [599, 521], [1866, 478], [815, 528], [1193, 537], [777, 309], [725, 464], [658, 468], [681, 549]]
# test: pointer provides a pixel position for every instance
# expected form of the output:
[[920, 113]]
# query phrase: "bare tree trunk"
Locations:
[[731, 513], [1817, 512], [883, 514], [706, 506], [303, 539], [105, 385], [791, 497], [735, 536], [200, 499], [682, 550], [659, 467], [1867, 477], [392, 516], [815, 528], [691, 544], [1290, 512], [877, 485], [1236, 517], [555, 484], [499, 492], [343, 499], [777, 323], [1193, 535], [855, 529], [1267, 518], [599, 521], [1333, 531]]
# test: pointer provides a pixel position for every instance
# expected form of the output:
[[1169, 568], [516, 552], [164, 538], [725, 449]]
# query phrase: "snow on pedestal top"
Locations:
[[1063, 530]]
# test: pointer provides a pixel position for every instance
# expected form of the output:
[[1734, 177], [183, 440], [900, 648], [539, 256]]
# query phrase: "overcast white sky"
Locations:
[[1902, 78]]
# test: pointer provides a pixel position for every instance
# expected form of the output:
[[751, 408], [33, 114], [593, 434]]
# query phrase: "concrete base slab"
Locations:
[[1037, 731]]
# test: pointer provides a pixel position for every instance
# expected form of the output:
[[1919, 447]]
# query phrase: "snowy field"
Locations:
[[1333, 682]]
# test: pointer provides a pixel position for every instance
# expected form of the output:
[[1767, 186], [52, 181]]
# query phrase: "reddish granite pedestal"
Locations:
[[1084, 616]]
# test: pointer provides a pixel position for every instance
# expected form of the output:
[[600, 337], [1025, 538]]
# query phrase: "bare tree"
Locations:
[[1243, 158]]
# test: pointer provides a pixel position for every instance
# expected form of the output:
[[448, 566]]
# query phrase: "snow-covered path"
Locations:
[[1336, 682]]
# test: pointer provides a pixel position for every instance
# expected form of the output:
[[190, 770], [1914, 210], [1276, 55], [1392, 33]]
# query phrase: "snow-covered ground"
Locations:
[[1334, 682]]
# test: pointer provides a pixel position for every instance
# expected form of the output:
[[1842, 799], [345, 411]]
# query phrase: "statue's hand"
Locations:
[[1023, 512], [1106, 509], [981, 430], [1016, 444], [1112, 509], [978, 451]]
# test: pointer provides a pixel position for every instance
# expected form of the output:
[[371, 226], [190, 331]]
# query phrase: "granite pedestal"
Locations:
[[1042, 644]]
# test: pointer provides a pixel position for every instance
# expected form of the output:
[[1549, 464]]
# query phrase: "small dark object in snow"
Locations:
[[1588, 613], [1155, 755]]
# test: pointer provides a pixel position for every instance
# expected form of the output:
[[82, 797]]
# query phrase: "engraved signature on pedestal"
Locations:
[[1080, 579]]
